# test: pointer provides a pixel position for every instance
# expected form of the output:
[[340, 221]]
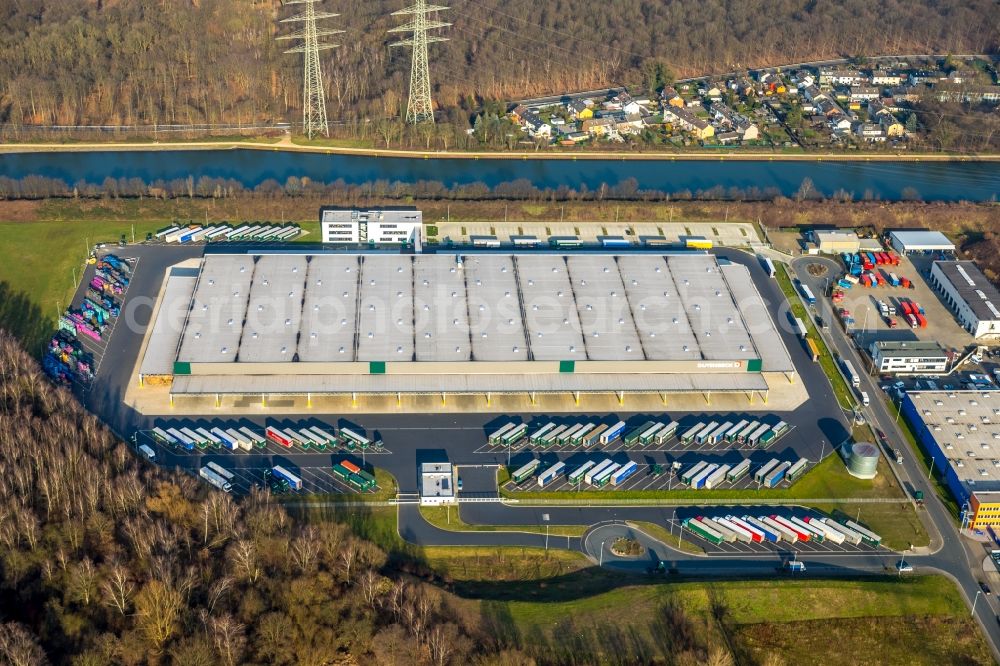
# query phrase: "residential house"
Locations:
[[726, 138], [892, 127], [686, 120], [518, 112], [744, 87], [581, 109], [671, 98], [863, 93], [969, 95], [870, 132], [923, 77], [840, 77], [729, 118], [598, 126], [908, 94], [877, 108], [573, 138], [840, 124], [813, 94], [712, 92], [884, 77], [535, 126]]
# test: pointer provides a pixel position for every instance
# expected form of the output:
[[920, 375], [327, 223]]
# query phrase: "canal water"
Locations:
[[930, 181]]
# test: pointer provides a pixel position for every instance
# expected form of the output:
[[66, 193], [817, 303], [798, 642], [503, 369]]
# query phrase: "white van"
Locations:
[[147, 451], [864, 399]]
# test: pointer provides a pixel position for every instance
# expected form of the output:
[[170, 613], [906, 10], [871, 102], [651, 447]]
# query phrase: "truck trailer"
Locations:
[[599, 468]]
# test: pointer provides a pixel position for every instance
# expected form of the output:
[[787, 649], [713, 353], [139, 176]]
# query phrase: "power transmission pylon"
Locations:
[[313, 94], [420, 107]]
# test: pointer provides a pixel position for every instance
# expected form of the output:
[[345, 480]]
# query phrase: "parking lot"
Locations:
[[863, 304], [737, 548]]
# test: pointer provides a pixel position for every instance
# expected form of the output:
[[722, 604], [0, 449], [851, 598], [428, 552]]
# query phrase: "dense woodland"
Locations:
[[106, 560], [216, 61]]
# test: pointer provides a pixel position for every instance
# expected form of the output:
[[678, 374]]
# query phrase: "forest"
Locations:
[[106, 560], [146, 62]]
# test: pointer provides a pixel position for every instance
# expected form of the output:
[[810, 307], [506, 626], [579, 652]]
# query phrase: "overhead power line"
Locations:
[[313, 93], [420, 106]]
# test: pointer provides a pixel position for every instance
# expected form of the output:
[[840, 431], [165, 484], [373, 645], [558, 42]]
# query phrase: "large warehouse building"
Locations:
[[337, 323], [961, 431], [972, 297]]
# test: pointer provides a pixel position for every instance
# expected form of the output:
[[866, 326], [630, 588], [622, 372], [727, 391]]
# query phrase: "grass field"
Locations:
[[674, 540], [757, 618], [387, 489]]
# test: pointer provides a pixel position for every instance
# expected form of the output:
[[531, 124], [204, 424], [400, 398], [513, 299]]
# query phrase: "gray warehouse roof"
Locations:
[[922, 240], [161, 348], [970, 283], [331, 307]]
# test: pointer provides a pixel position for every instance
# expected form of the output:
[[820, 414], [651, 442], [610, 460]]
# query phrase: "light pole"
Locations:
[[930, 472], [601, 562], [545, 519], [974, 601]]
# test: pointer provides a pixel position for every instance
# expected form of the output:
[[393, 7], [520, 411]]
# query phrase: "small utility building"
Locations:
[[909, 242], [436, 484], [968, 293], [835, 241]]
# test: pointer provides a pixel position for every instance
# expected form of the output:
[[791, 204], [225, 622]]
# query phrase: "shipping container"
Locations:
[[354, 440], [756, 535], [255, 438], [612, 433], [775, 476], [525, 471], [595, 435], [237, 233], [815, 534], [703, 436], [567, 435], [688, 436], [551, 474], [277, 436], [308, 438], [829, 533], [541, 432], [516, 435], [209, 437], [807, 293], [599, 468], [323, 436], [351, 467], [216, 480], [719, 433], [227, 441], [769, 532], [163, 437], [787, 534], [800, 328], [551, 436], [764, 470], [893, 280], [717, 477], [577, 475], [780, 429], [600, 480], [698, 482], [183, 440], [163, 233], [850, 535], [813, 350], [745, 433], [497, 436], [755, 436], [802, 535], [742, 535], [727, 534], [240, 439], [692, 472], [798, 469], [738, 471], [921, 321], [867, 536], [735, 431], [633, 435], [649, 434], [294, 482], [580, 435], [624, 472], [664, 434], [700, 529]]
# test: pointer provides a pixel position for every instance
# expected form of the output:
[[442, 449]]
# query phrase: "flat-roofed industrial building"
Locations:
[[334, 323], [970, 295], [377, 226], [961, 431]]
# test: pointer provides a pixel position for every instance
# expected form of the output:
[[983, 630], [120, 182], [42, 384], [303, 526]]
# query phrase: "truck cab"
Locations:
[[147, 452]]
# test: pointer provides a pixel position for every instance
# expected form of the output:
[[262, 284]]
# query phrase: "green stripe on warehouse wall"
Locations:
[[567, 366], [754, 365], [376, 367], [182, 368]]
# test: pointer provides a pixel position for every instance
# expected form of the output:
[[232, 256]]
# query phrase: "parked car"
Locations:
[[984, 587], [903, 567]]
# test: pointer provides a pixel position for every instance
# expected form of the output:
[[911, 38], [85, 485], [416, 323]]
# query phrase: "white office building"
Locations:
[[909, 357], [971, 296], [436, 484], [375, 227]]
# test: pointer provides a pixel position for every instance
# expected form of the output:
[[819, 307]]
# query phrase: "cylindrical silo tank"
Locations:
[[863, 461]]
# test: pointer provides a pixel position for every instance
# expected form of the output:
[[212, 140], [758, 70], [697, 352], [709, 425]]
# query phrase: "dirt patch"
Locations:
[[19, 211], [625, 547], [817, 270]]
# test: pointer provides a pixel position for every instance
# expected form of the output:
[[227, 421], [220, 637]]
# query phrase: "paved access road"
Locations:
[[960, 558]]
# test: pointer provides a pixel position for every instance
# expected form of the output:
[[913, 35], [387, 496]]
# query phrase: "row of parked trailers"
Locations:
[[584, 434], [774, 528], [246, 439], [225, 232], [593, 473], [706, 475], [222, 478], [754, 433]]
